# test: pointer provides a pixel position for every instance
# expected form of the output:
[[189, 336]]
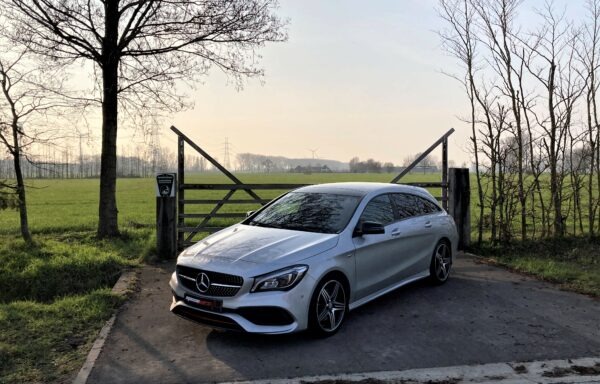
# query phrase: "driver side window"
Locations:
[[379, 210]]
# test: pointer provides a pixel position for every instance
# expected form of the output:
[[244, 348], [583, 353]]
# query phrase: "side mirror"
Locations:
[[369, 228], [250, 213]]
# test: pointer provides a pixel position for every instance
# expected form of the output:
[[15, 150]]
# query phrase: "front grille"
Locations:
[[221, 284]]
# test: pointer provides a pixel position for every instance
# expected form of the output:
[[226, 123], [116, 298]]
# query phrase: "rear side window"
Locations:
[[406, 205], [379, 210], [427, 207]]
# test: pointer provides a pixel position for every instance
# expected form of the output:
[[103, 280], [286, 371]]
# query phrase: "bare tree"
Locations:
[[552, 64], [458, 40], [590, 60], [28, 91], [497, 26], [139, 49]]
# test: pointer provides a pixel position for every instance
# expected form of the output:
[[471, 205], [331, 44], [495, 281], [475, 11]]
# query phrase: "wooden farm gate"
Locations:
[[187, 232]]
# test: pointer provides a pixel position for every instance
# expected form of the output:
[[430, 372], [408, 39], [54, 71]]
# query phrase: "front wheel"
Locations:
[[328, 307], [441, 262]]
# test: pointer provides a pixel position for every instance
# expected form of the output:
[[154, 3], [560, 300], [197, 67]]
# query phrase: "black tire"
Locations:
[[325, 318], [441, 263]]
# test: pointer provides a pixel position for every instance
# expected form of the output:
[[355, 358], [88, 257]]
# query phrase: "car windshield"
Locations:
[[311, 212]]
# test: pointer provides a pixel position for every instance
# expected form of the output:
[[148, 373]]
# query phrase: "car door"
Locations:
[[373, 252], [413, 237], [429, 220]]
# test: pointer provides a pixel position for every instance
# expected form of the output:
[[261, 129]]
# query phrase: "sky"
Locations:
[[355, 78]]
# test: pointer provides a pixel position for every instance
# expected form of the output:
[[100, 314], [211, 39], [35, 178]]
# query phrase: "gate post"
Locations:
[[459, 206], [166, 215]]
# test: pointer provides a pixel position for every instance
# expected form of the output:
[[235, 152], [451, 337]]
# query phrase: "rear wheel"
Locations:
[[328, 307], [441, 262]]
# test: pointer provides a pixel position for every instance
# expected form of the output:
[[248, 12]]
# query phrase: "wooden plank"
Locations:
[[214, 210], [202, 215], [231, 201], [214, 162], [196, 230], [435, 184], [423, 155], [235, 187]]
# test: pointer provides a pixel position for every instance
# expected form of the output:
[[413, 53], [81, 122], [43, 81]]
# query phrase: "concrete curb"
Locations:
[[122, 287], [584, 370]]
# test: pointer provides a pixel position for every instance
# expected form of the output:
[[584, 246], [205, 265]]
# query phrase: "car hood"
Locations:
[[244, 243]]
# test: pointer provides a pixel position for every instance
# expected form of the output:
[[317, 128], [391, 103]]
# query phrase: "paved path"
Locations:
[[483, 314]]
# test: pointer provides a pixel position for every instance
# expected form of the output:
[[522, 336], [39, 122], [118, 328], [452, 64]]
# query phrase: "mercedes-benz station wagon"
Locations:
[[307, 258]]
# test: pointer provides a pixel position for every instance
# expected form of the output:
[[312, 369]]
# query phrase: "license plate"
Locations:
[[208, 304]]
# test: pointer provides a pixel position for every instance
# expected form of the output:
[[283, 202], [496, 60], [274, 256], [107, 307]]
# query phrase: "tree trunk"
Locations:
[[554, 183], [22, 203], [108, 214]]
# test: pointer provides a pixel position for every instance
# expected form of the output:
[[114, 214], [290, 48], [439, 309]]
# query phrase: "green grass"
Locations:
[[47, 342], [572, 263], [55, 295]]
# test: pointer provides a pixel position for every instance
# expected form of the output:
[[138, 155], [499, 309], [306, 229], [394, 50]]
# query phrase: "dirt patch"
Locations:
[[574, 370]]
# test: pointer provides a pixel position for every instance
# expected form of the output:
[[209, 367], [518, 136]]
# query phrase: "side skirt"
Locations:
[[382, 292]]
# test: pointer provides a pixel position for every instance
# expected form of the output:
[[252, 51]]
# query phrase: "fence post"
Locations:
[[166, 215], [180, 190], [445, 173], [459, 206]]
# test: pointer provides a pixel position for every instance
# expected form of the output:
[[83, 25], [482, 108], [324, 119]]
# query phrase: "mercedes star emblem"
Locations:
[[203, 282]]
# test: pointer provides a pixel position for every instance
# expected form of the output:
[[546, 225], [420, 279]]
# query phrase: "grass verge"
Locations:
[[572, 263], [55, 297]]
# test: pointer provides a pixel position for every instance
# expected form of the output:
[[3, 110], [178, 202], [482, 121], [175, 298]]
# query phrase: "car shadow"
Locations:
[[478, 316]]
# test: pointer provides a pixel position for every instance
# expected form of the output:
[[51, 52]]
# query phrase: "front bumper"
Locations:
[[261, 312]]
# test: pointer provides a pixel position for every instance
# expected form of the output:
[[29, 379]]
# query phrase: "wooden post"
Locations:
[[445, 173], [166, 215], [180, 190], [460, 204]]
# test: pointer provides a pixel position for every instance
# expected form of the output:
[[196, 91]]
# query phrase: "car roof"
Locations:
[[360, 188]]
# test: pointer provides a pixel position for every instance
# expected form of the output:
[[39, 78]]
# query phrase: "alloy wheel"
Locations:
[[443, 261], [331, 306]]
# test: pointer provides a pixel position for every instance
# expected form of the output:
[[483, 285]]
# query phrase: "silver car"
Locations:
[[310, 256]]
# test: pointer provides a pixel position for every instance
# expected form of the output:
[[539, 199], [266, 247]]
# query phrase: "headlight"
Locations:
[[281, 280]]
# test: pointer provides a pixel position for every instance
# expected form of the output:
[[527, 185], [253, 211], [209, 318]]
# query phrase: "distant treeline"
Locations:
[[62, 165]]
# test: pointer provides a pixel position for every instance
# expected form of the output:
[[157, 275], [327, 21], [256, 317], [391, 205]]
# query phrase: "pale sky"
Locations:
[[355, 78]]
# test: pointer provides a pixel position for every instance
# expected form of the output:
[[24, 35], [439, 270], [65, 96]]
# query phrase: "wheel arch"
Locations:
[[338, 273]]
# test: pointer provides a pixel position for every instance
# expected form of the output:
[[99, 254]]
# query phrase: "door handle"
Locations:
[[428, 224], [396, 232]]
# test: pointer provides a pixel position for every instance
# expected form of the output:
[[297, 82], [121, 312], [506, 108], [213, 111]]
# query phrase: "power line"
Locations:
[[226, 149]]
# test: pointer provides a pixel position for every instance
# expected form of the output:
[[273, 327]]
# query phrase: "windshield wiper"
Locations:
[[306, 228], [264, 225]]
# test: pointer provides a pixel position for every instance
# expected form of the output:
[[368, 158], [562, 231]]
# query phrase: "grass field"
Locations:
[[72, 204], [54, 296]]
